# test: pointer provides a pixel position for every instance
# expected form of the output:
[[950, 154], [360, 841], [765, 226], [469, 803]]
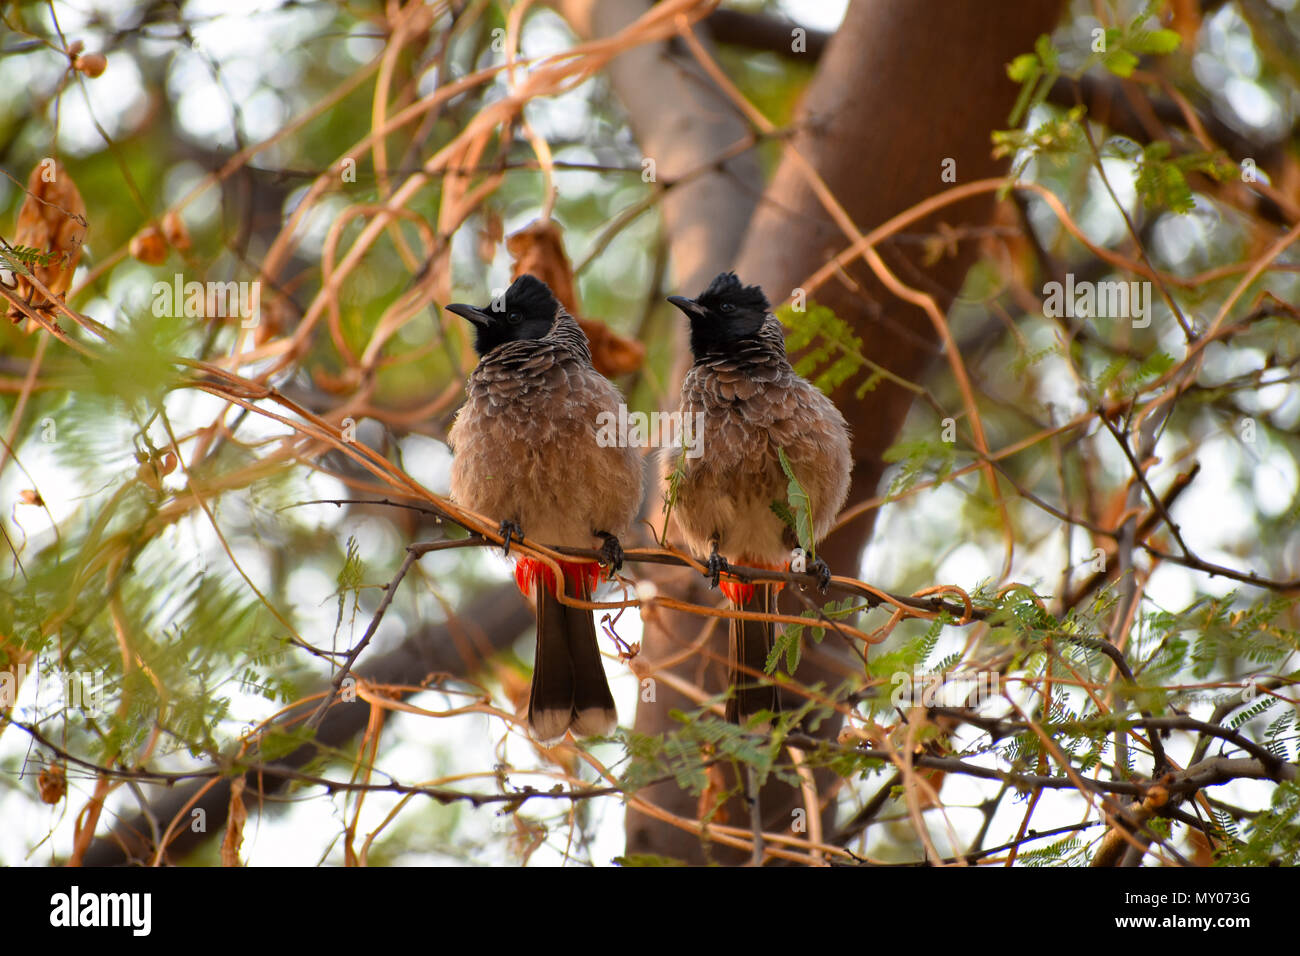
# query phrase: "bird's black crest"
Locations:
[[725, 317], [531, 296], [726, 287], [526, 312]]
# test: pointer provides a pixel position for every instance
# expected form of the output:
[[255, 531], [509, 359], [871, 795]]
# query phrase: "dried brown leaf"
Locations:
[[611, 353], [52, 220], [538, 249]]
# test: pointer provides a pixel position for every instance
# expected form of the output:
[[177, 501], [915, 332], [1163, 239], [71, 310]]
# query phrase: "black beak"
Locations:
[[473, 313], [689, 306]]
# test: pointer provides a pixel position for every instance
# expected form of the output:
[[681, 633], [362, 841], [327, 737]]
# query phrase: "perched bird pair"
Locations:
[[527, 454]]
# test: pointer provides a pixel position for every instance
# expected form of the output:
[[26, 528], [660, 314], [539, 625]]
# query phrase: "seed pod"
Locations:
[[149, 246], [91, 64], [174, 231], [52, 783]]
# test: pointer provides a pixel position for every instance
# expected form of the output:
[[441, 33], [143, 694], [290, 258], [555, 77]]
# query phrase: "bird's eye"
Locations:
[[515, 317], [727, 307]]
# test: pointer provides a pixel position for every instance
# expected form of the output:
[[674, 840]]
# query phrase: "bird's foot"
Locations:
[[611, 552], [508, 530], [823, 572], [716, 566]]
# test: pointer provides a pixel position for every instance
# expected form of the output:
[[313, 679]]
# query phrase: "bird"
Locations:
[[754, 407], [527, 454]]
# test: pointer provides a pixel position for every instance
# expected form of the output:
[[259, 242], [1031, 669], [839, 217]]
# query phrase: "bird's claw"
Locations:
[[508, 530], [823, 572], [717, 566], [611, 552]]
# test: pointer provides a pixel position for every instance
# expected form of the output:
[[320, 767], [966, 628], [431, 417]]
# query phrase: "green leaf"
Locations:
[[782, 511], [788, 642], [139, 366], [829, 353], [1120, 62], [1024, 68], [19, 259], [674, 488], [1158, 42], [1047, 53], [1162, 182], [276, 743], [801, 505], [919, 459]]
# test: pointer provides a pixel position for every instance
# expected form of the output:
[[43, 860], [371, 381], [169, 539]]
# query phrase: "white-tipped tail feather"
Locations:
[[595, 722], [569, 690]]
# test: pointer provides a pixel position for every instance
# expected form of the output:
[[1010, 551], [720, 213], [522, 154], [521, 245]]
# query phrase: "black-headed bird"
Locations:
[[754, 407], [528, 454]]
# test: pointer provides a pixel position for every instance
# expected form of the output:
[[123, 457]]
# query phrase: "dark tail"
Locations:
[[751, 643], [569, 686]]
